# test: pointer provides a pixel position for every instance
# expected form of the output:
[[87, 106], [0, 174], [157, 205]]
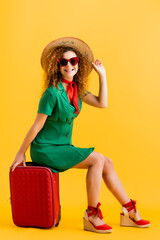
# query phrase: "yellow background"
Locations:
[[125, 36]]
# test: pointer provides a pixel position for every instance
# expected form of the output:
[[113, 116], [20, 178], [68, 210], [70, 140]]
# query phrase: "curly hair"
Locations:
[[52, 75]]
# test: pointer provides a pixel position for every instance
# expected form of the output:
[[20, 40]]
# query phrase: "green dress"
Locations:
[[52, 147]]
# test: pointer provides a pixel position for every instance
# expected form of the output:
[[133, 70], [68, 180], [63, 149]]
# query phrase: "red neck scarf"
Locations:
[[72, 93]]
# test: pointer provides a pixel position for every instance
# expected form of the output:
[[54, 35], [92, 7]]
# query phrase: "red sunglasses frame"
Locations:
[[68, 60]]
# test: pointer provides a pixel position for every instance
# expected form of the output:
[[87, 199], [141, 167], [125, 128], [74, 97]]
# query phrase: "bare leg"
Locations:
[[113, 183], [100, 166], [95, 164], [93, 184]]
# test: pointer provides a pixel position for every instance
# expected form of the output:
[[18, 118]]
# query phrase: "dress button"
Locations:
[[72, 118], [67, 136], [69, 123]]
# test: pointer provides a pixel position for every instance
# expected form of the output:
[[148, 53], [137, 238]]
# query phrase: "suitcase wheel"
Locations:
[[59, 218]]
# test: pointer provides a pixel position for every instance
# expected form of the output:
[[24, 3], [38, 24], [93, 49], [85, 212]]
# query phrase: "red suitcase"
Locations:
[[34, 195]]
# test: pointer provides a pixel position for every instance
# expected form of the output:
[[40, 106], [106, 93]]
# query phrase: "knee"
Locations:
[[108, 161], [99, 160], [108, 164]]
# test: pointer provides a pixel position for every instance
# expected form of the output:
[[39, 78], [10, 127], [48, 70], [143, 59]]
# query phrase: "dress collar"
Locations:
[[64, 93], [60, 85]]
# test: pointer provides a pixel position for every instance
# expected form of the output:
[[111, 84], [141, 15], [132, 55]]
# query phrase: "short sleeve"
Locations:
[[46, 103]]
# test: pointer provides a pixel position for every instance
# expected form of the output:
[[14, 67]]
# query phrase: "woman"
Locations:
[[67, 63]]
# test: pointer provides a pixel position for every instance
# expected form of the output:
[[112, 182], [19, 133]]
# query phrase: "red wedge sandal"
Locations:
[[89, 226], [127, 221]]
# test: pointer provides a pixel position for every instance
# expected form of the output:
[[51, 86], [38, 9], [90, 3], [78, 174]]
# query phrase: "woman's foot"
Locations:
[[96, 219], [130, 216], [93, 220], [135, 215]]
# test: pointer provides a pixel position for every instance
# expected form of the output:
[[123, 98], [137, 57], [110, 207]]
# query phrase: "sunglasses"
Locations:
[[73, 61]]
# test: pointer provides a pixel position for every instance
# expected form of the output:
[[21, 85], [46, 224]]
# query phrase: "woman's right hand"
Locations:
[[20, 157]]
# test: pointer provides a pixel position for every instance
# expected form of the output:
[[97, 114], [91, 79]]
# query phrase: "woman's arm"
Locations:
[[33, 131], [100, 101]]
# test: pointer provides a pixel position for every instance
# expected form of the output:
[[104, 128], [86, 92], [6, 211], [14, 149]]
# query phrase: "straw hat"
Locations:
[[73, 42]]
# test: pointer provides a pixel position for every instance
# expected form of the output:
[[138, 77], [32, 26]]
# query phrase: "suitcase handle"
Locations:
[[30, 164]]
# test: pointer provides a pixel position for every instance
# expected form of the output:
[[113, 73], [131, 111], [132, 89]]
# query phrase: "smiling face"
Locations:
[[69, 71]]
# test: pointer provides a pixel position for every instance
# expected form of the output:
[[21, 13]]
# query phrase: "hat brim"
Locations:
[[73, 42]]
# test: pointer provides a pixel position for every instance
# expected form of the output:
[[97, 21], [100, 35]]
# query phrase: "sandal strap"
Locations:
[[95, 211], [130, 205]]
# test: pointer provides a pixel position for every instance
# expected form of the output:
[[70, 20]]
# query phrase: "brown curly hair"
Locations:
[[52, 75]]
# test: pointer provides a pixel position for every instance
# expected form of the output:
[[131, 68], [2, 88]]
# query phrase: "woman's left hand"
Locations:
[[99, 68]]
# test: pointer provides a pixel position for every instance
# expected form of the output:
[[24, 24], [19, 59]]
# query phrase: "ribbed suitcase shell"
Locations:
[[34, 197]]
